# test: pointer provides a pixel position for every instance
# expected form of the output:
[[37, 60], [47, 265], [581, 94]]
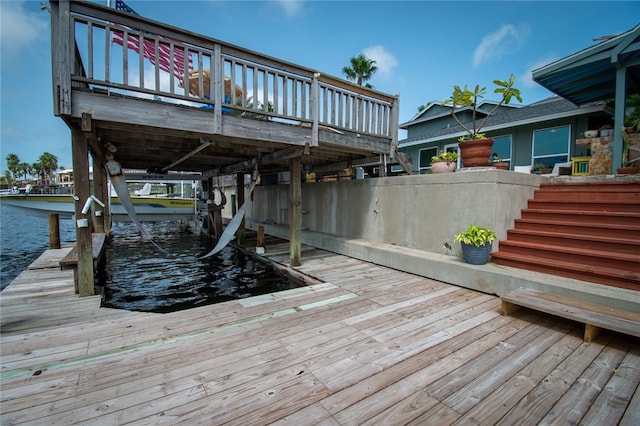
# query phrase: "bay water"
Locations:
[[162, 275]]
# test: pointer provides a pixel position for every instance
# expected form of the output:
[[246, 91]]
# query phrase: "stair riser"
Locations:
[[585, 244], [592, 188], [600, 279], [582, 218], [577, 230], [592, 207], [623, 265], [588, 197]]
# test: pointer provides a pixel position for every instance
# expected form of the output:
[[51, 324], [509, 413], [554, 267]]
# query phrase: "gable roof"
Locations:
[[590, 74], [436, 110], [548, 109]]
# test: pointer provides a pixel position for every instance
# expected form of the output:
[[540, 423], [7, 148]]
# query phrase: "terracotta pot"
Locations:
[[443, 166], [475, 153], [631, 170], [501, 166]]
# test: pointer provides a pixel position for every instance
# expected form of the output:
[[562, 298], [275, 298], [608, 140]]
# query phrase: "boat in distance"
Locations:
[[148, 208]]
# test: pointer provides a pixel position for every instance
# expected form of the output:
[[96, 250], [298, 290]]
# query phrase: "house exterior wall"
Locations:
[[522, 143]]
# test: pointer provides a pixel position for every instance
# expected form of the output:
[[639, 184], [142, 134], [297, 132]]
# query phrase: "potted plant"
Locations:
[[476, 244], [445, 162], [496, 161], [475, 148]]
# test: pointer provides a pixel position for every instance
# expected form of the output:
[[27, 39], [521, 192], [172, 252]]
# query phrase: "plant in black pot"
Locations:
[[475, 148], [476, 244]]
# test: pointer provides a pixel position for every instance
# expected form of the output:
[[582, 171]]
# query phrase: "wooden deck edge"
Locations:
[[594, 316]]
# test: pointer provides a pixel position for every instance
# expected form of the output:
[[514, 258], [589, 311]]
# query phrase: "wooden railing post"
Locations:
[[314, 108]]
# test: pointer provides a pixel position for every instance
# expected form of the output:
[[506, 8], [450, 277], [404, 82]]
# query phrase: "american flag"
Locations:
[[149, 47]]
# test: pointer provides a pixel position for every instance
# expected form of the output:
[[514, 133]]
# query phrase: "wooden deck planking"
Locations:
[[372, 345]]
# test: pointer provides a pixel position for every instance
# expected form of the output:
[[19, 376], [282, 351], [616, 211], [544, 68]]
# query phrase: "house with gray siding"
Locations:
[[543, 132]]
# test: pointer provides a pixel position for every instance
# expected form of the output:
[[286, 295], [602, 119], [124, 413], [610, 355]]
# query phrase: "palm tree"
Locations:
[[361, 69], [25, 170], [49, 163], [12, 164]]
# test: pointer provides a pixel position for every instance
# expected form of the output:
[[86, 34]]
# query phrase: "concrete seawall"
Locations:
[[419, 212]]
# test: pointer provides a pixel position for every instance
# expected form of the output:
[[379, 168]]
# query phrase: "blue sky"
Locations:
[[421, 48]]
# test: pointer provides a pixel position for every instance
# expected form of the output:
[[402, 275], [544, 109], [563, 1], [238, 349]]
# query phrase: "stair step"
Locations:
[[563, 239], [602, 275], [630, 232], [602, 206], [617, 186], [586, 217], [629, 263], [588, 197]]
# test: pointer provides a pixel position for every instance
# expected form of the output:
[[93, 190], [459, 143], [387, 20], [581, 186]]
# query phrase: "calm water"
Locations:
[[141, 276], [23, 238], [168, 276]]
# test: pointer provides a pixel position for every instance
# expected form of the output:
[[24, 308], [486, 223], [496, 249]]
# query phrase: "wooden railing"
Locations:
[[242, 81]]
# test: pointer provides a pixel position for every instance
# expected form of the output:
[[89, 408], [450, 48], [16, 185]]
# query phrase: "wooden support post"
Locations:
[[295, 212], [54, 230], [240, 197], [80, 154], [260, 238], [99, 183]]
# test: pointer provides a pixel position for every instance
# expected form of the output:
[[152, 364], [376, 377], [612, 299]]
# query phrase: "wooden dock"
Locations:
[[369, 345]]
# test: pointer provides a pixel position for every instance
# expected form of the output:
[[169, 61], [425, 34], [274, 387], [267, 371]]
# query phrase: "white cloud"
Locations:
[[21, 28], [505, 40], [385, 60], [291, 7]]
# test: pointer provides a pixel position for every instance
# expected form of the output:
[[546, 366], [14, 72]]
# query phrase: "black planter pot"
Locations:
[[476, 255]]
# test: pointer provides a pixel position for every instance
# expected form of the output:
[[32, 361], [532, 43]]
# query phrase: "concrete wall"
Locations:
[[418, 212]]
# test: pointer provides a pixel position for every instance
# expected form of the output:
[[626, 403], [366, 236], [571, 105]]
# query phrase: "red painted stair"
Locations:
[[584, 230]]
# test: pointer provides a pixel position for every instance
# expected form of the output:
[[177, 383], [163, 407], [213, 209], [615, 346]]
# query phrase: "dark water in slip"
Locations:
[[141, 276]]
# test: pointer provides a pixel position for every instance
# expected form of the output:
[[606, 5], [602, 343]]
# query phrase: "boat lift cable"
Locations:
[[235, 223], [120, 185]]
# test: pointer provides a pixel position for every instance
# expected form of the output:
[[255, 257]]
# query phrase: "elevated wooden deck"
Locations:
[[182, 101], [369, 345]]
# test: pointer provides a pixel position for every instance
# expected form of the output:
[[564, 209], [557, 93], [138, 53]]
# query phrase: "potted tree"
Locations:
[[445, 162], [476, 244], [475, 148]]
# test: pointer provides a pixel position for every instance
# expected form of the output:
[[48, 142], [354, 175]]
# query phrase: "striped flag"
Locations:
[[165, 47]]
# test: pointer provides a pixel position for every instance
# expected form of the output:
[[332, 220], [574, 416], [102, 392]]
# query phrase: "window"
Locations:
[[425, 158], [551, 146], [502, 148]]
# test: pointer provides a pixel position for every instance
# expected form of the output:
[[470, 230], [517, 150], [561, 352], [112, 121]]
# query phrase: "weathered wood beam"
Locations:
[[285, 154], [362, 162], [203, 145], [80, 154], [295, 212], [240, 200]]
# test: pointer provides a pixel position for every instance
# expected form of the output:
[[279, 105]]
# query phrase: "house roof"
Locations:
[[426, 114], [548, 109], [590, 74]]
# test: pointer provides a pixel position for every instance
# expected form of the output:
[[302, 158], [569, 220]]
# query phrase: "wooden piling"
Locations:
[[80, 153], [54, 230], [295, 212], [240, 198], [260, 238]]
